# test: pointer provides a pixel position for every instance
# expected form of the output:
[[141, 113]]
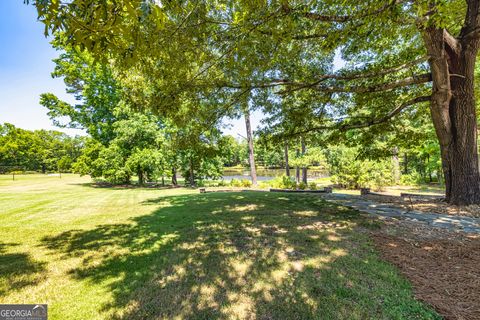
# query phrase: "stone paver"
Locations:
[[450, 222]]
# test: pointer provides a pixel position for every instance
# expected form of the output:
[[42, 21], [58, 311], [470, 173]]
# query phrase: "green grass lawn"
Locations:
[[137, 253]]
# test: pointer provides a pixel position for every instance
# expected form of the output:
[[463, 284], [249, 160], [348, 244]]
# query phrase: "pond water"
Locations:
[[268, 174]]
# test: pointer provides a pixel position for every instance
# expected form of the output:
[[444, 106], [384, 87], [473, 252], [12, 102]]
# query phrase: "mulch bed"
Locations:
[[443, 267], [428, 205]]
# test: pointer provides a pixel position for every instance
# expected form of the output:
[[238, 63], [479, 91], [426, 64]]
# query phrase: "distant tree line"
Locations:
[[38, 150]]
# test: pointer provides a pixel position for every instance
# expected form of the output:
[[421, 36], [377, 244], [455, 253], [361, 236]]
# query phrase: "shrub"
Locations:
[[264, 185], [246, 183], [410, 179], [222, 183], [235, 183], [352, 173], [283, 182], [302, 186], [312, 186]]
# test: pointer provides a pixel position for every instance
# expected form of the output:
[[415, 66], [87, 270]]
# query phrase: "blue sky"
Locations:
[[25, 67]]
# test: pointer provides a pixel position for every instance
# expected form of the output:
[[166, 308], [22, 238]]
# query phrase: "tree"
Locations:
[[38, 150], [93, 86], [399, 54], [145, 163]]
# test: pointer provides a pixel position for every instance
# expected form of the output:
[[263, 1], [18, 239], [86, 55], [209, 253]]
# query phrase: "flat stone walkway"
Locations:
[[450, 222]]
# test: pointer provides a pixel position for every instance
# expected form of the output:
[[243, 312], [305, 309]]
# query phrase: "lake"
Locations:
[[268, 174]]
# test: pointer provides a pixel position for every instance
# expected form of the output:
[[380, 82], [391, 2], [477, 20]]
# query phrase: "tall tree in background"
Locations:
[[96, 91], [287, 167]]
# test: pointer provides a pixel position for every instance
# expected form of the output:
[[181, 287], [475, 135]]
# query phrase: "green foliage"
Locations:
[[302, 186], [349, 172], [145, 163], [38, 150], [221, 52], [111, 165], [246, 183], [283, 182], [235, 183], [233, 151], [243, 183], [312, 186], [96, 91], [411, 179], [64, 163]]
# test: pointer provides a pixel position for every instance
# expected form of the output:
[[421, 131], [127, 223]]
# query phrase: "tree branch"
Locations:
[[423, 78], [345, 18], [471, 27], [452, 42], [295, 37], [345, 125], [270, 83]]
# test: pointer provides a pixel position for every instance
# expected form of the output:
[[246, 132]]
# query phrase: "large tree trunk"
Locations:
[[453, 111], [287, 167], [304, 169], [251, 155]]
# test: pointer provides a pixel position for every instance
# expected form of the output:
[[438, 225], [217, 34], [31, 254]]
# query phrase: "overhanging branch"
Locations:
[[344, 18], [422, 78], [346, 125], [270, 83]]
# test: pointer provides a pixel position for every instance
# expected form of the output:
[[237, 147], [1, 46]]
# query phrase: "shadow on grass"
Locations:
[[104, 185], [237, 255], [18, 270]]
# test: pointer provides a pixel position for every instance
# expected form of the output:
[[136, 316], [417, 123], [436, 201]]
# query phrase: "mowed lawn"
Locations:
[[138, 253]]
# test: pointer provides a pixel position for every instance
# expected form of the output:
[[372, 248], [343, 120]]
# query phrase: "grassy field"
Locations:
[[137, 253]]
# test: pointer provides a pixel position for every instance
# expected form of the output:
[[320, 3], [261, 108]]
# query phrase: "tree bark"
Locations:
[[251, 155], [287, 167], [453, 110], [174, 176], [304, 169], [405, 163], [297, 169], [192, 176]]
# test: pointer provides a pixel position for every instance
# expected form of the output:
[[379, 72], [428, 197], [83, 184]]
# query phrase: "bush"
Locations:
[[222, 183], [246, 183], [264, 185], [312, 186], [302, 186], [410, 179], [235, 183], [352, 173], [283, 182]]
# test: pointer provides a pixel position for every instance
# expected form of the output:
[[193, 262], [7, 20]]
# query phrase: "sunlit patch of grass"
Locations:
[[105, 253], [306, 213]]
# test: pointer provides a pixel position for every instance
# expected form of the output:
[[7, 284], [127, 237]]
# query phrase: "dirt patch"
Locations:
[[428, 205], [443, 267]]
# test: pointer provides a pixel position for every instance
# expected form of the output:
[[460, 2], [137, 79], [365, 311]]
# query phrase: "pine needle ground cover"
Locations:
[[138, 253]]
